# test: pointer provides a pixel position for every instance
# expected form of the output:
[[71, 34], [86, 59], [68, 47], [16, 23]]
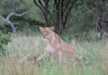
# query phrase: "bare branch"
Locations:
[[43, 6], [15, 14], [36, 3], [8, 21], [41, 3], [67, 9]]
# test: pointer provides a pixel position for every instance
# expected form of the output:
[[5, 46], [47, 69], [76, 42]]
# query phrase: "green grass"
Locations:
[[32, 44]]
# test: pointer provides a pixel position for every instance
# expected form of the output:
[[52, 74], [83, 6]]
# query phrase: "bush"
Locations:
[[4, 39]]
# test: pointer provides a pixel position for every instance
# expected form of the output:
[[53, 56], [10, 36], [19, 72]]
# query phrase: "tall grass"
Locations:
[[32, 44]]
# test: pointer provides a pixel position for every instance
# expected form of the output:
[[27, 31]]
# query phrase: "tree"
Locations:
[[62, 11], [10, 8], [44, 7], [102, 17]]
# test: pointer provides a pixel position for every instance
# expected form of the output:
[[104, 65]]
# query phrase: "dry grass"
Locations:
[[11, 67], [31, 45]]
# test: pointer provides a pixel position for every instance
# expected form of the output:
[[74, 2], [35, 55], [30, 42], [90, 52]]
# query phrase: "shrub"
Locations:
[[4, 39]]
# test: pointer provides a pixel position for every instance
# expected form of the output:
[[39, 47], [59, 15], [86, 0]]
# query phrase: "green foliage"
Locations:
[[7, 6], [4, 36], [81, 20], [4, 39], [81, 23]]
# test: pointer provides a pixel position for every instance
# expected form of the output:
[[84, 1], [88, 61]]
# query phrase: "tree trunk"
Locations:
[[62, 12], [100, 5]]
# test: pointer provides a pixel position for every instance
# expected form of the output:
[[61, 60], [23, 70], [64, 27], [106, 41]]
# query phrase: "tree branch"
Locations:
[[67, 11], [8, 21], [43, 6]]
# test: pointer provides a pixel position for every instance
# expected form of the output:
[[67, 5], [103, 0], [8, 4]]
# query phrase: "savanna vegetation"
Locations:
[[81, 23]]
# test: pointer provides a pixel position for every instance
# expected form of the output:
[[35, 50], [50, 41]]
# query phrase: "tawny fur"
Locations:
[[55, 45]]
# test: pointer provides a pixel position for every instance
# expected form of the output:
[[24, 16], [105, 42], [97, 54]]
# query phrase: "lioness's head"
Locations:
[[46, 30]]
